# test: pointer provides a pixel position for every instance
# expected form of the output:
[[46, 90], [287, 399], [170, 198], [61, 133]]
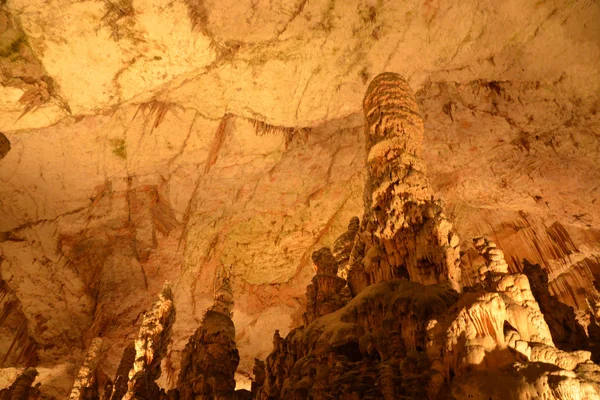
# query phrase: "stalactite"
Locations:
[[289, 133]]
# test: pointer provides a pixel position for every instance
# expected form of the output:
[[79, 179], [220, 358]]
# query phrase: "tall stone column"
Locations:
[[404, 233], [210, 358], [151, 347]]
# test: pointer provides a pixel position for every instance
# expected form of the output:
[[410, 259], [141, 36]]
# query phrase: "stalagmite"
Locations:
[[385, 317], [342, 248], [85, 384], [210, 358], [21, 388], [566, 332], [408, 332], [150, 348], [120, 384], [523, 311], [404, 233], [324, 295]]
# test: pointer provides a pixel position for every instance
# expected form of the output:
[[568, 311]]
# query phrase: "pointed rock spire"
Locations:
[[223, 295]]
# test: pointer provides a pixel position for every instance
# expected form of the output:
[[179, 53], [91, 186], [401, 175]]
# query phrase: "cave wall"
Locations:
[[169, 151]]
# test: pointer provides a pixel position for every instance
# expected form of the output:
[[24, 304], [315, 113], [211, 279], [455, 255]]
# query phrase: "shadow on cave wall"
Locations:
[[4, 145]]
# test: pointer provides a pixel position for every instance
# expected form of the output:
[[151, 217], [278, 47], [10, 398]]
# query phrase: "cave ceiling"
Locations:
[[145, 141]]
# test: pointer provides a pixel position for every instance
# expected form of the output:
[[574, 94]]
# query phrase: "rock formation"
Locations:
[[199, 132], [151, 348], [86, 385], [208, 364], [567, 332], [210, 358], [21, 388], [118, 388], [404, 233], [408, 332], [342, 248], [402, 325], [324, 295]]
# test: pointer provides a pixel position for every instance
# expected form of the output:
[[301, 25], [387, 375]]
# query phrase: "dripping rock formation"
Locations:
[[403, 195]]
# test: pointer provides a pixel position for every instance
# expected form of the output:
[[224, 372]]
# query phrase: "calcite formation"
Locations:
[[419, 337], [404, 232], [342, 247], [86, 386], [21, 388], [567, 332], [522, 309], [201, 133], [324, 295], [208, 364], [210, 358], [151, 347], [387, 314], [140, 364], [117, 389]]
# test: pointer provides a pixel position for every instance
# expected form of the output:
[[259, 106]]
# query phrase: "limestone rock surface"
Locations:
[[154, 141]]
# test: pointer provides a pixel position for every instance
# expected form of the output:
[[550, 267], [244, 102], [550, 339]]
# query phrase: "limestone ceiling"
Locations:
[[155, 140], [291, 63]]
